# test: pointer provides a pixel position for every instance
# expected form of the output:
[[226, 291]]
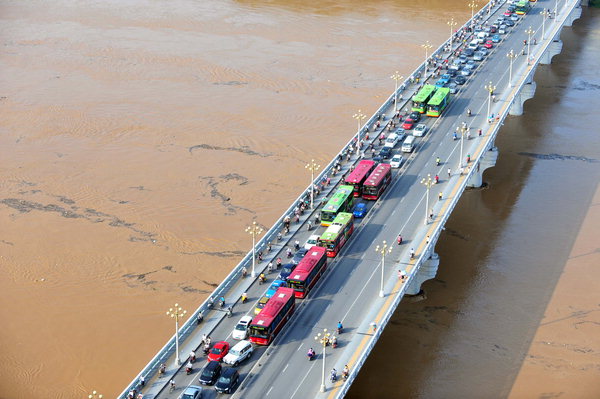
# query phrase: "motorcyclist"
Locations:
[[262, 278], [311, 353], [244, 297], [192, 356], [399, 239], [244, 271], [468, 111], [345, 372], [334, 342], [206, 348], [188, 367], [454, 136], [437, 161], [339, 327], [333, 374], [437, 179]]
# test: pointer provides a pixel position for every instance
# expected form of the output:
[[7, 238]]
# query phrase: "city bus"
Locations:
[[377, 182], [422, 97], [522, 7], [438, 102], [308, 271], [341, 201], [359, 175], [337, 234], [271, 319]]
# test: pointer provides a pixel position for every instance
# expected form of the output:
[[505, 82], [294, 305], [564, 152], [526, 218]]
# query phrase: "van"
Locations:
[[408, 144], [474, 44], [392, 140], [481, 37]]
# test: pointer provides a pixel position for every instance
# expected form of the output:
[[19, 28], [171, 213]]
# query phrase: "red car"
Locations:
[[507, 13], [408, 124], [488, 44], [218, 351]]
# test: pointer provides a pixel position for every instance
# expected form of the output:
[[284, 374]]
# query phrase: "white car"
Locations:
[[241, 329], [420, 130], [311, 242], [240, 352], [396, 161]]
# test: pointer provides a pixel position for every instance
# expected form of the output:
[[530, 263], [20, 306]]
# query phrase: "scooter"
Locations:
[[311, 356], [188, 369]]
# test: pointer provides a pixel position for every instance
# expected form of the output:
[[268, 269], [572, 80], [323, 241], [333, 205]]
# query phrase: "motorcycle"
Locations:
[[345, 375], [262, 279], [311, 356], [333, 377], [244, 298], [334, 343], [229, 312], [188, 369]]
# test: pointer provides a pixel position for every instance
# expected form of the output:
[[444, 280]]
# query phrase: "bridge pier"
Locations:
[[487, 161], [553, 49], [527, 92], [427, 271], [574, 15]]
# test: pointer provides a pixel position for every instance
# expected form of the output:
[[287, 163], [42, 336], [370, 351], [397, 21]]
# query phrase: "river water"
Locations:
[[139, 138]]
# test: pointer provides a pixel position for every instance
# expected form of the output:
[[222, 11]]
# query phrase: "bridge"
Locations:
[[361, 287]]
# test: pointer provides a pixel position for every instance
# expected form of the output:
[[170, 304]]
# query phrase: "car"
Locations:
[[210, 372], [507, 13], [385, 152], [484, 51], [488, 44], [274, 286], [420, 129], [514, 18], [496, 38], [478, 56], [454, 67], [462, 58], [512, 8], [460, 80], [240, 331], [465, 72], [500, 20], [400, 132], [469, 52], [487, 30], [360, 210], [453, 90], [311, 242], [392, 140], [408, 124], [227, 381], [299, 255], [452, 72], [416, 116], [509, 22], [396, 161], [218, 351], [471, 64], [502, 30], [493, 29], [191, 392], [260, 304], [456, 62], [286, 270], [240, 352]]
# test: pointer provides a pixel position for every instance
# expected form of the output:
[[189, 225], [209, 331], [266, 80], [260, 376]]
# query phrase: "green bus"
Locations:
[[340, 202], [337, 234], [522, 7], [438, 102], [422, 97]]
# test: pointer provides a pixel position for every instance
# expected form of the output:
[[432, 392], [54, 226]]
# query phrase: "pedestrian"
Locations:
[[142, 381], [373, 326], [479, 132], [462, 170], [427, 240], [449, 172], [309, 224], [431, 214], [412, 253], [401, 275]]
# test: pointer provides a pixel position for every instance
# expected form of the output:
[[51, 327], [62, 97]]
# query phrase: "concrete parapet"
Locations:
[[526, 92], [427, 271], [487, 161], [553, 49]]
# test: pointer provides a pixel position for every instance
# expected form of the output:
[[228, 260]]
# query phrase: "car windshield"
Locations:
[[207, 373], [311, 241], [234, 352], [224, 380], [287, 269], [241, 327], [216, 351], [188, 396]]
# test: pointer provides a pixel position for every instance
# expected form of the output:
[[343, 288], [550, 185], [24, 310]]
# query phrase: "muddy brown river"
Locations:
[[138, 139]]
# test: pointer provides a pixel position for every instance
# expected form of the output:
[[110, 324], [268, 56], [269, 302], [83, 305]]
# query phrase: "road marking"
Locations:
[[302, 382], [285, 368], [300, 347], [269, 391]]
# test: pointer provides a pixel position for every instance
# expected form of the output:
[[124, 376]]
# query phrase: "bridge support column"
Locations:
[[553, 49], [487, 161], [427, 271], [574, 15], [526, 92]]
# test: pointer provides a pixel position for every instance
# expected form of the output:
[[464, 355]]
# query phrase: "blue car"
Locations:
[[496, 38], [360, 210], [286, 270], [273, 288]]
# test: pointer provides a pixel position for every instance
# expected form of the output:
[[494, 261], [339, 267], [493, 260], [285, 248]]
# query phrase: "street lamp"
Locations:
[[490, 88], [384, 249], [359, 116], [452, 23], [511, 57], [176, 313], [426, 46], [396, 76], [95, 395], [555, 8], [313, 167], [529, 32], [473, 5], [463, 129], [427, 183], [323, 339], [255, 230], [544, 15]]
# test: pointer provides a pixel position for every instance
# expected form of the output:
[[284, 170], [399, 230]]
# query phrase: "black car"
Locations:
[[508, 22], [286, 270], [460, 80], [385, 152], [210, 373], [299, 255], [468, 52], [228, 380], [415, 116], [451, 72]]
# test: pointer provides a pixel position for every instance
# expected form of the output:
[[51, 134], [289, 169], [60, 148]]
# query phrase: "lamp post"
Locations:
[[452, 23], [529, 32], [359, 116], [255, 230], [176, 312], [555, 8], [323, 339], [396, 76], [384, 249], [473, 5], [428, 182], [544, 15], [463, 129], [95, 395], [511, 57], [490, 88], [426, 46], [313, 167]]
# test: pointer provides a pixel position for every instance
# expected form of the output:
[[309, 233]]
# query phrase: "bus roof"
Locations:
[[338, 198], [342, 218], [378, 174], [424, 93], [361, 170], [312, 257], [439, 96], [272, 308], [337, 225]]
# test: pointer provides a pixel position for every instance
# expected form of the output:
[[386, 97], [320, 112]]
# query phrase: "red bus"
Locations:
[[358, 176], [271, 319], [308, 271], [377, 182]]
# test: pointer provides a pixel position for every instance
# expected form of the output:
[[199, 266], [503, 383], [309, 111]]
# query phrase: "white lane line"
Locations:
[[375, 269], [285, 368], [269, 391], [302, 382], [300, 347]]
